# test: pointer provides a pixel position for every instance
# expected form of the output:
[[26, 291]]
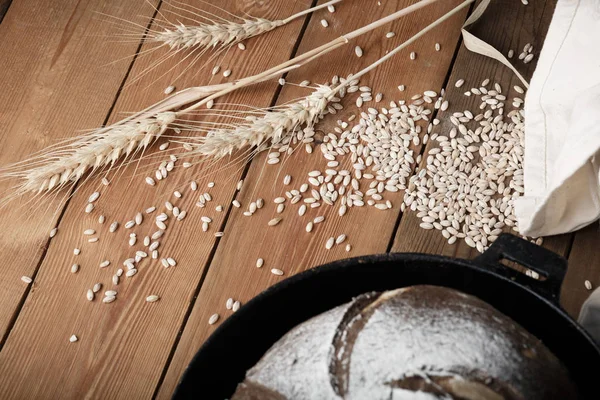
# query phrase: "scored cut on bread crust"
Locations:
[[297, 366]]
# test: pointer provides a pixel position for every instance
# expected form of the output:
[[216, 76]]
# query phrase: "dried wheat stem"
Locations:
[[412, 39], [220, 35]]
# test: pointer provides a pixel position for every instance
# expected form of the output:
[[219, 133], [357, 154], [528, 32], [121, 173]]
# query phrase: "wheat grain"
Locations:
[[213, 319]]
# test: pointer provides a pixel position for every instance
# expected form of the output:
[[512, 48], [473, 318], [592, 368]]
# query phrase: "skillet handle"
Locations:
[[546, 263]]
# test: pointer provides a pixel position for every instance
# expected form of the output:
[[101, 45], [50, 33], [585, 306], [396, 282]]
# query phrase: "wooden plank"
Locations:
[[123, 346], [50, 58], [519, 25], [287, 246], [584, 264]]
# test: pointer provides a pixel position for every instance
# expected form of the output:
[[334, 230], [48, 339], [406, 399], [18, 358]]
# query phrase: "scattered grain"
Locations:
[[153, 298], [274, 221], [329, 243], [213, 319]]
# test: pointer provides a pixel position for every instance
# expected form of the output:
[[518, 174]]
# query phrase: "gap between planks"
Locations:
[[4, 6]]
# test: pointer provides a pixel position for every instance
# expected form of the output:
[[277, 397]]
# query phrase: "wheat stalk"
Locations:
[[216, 34], [221, 34], [58, 167], [274, 125], [182, 36]]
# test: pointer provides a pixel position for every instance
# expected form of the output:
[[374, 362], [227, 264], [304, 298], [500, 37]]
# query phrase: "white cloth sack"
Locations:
[[562, 126]]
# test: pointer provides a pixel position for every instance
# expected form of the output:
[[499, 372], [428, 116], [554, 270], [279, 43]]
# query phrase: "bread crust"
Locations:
[[421, 342]]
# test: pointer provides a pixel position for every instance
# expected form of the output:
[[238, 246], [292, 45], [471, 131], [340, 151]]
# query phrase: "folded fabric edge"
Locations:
[[551, 215]]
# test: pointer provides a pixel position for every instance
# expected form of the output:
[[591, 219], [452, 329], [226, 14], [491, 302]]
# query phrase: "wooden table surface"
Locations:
[[64, 70]]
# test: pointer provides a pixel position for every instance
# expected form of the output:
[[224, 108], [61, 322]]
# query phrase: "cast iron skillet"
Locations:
[[245, 336]]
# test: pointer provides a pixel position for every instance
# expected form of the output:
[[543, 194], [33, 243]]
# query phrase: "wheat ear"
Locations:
[[273, 126], [222, 34], [52, 169]]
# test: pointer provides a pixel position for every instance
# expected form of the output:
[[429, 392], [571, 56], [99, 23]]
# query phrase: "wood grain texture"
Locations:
[[584, 264], [51, 61], [505, 25], [287, 246], [123, 346]]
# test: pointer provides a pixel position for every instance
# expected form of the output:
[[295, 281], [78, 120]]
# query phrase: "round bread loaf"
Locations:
[[419, 342]]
